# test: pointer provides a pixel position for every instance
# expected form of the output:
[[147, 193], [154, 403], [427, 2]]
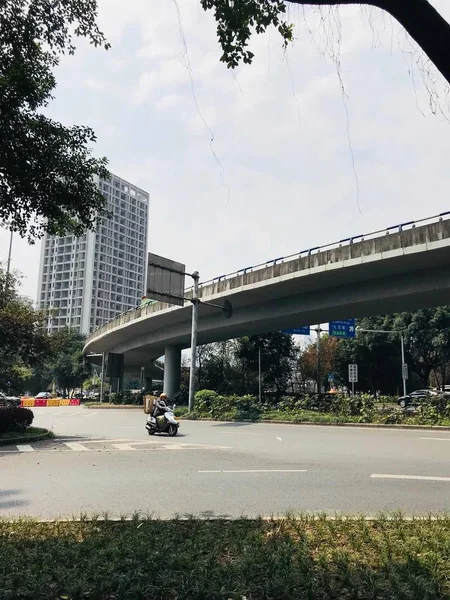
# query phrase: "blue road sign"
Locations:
[[298, 331], [343, 329]]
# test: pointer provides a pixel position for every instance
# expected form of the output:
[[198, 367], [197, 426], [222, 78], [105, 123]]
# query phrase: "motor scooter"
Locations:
[[165, 423]]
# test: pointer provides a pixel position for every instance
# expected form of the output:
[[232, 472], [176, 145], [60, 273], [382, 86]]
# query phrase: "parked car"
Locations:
[[43, 396], [8, 401], [415, 397]]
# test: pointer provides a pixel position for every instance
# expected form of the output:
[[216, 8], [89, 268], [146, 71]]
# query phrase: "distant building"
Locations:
[[91, 279]]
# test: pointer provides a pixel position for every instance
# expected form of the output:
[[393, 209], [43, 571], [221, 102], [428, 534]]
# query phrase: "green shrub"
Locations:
[[15, 419], [362, 406], [441, 404], [204, 400], [210, 404], [235, 408], [116, 398]]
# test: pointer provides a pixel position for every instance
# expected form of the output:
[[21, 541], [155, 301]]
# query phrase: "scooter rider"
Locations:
[[160, 405]]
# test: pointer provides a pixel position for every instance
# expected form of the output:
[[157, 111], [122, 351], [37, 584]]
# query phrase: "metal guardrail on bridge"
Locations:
[[135, 313]]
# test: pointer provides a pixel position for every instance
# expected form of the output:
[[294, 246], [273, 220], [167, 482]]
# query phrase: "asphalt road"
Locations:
[[103, 461]]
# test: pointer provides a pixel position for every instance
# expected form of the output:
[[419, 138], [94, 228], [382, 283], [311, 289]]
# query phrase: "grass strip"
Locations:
[[311, 558], [31, 434]]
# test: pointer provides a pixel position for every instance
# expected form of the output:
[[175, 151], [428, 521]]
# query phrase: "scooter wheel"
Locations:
[[151, 431], [173, 430]]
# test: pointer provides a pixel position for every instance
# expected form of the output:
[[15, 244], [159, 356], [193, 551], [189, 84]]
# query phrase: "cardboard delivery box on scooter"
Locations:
[[149, 402]]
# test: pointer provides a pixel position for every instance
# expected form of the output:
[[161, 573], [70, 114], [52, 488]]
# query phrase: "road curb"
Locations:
[[313, 516], [113, 406], [24, 439], [311, 423]]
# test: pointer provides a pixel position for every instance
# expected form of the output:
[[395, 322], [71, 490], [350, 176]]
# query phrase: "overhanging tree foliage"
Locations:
[[46, 169], [237, 20]]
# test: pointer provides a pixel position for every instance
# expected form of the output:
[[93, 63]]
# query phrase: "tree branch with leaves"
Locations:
[[47, 171], [237, 20]]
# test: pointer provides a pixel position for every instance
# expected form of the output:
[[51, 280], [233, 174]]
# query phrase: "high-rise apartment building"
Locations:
[[92, 278]]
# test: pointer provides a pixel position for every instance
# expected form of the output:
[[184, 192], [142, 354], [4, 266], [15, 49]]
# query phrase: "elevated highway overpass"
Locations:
[[402, 268]]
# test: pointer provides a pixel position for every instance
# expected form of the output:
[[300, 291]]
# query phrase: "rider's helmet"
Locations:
[[163, 396]]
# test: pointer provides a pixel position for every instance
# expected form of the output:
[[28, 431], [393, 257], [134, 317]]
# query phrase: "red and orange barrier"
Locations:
[[37, 402]]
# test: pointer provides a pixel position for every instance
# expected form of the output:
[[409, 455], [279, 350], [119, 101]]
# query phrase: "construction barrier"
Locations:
[[27, 402], [34, 402]]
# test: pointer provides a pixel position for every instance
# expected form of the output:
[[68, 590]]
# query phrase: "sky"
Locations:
[[333, 137]]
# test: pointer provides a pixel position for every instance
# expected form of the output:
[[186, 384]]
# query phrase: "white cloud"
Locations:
[[280, 133]]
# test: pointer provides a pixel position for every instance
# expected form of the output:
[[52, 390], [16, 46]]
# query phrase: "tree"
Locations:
[[220, 371], [377, 355], [238, 19], [46, 169], [23, 339], [329, 360], [66, 364], [427, 338], [278, 354]]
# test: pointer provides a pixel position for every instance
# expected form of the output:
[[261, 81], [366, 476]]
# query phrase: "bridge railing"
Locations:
[[136, 313]]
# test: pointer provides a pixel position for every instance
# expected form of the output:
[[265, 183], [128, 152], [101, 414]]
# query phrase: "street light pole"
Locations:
[[319, 376], [195, 303], [8, 264], [259, 374], [102, 378], [402, 342]]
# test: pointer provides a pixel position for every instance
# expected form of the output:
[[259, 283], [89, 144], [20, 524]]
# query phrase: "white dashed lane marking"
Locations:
[[415, 477]]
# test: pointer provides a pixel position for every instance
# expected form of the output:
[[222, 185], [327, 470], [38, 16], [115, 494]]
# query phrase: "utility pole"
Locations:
[[168, 296], [195, 303], [8, 264], [102, 378], [404, 365], [259, 375], [319, 376]]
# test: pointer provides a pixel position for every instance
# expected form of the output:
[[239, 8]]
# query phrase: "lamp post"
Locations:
[[402, 349], [8, 264]]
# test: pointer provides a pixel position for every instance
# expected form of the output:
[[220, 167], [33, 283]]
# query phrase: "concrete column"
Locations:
[[148, 384], [172, 370]]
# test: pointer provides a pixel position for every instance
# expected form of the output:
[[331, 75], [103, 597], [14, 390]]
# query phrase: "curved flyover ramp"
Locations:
[[402, 268]]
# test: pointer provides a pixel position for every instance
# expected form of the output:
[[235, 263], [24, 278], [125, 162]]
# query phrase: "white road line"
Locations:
[[90, 415], [124, 447], [77, 447], [25, 448], [259, 471], [236, 433], [437, 439], [95, 441], [415, 477]]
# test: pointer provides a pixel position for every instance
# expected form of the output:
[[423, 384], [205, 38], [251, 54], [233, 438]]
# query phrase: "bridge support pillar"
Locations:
[[172, 370]]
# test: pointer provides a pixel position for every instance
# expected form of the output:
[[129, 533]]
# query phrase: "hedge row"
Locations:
[[362, 408], [15, 419]]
